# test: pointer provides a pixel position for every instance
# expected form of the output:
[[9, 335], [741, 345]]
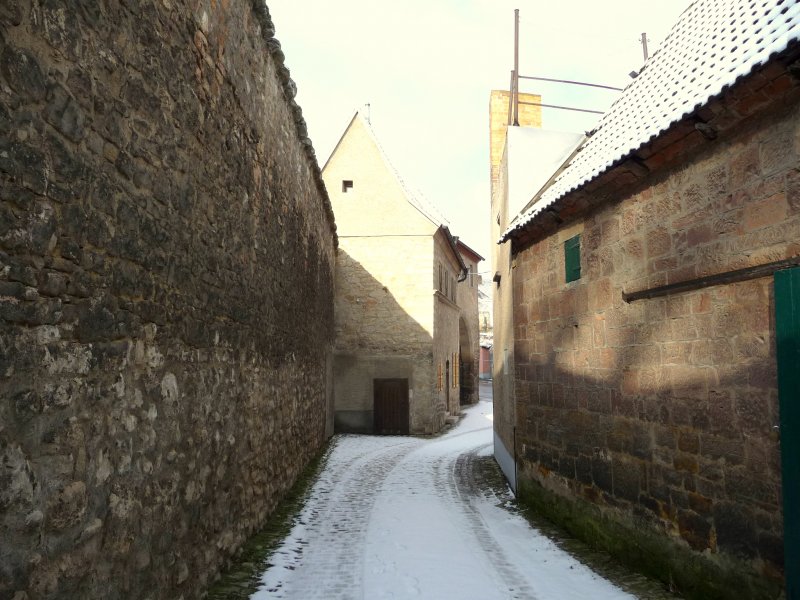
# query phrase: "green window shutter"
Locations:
[[572, 258]]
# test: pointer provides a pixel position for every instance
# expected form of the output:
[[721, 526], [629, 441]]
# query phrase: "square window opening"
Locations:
[[572, 259], [347, 185]]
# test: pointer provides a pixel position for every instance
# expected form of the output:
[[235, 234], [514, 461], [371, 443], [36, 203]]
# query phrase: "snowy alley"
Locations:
[[401, 518]]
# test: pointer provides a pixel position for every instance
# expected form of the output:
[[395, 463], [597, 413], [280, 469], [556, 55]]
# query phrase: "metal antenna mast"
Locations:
[[643, 39], [515, 91]]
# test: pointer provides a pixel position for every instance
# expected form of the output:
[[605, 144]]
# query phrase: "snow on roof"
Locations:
[[714, 43], [533, 155]]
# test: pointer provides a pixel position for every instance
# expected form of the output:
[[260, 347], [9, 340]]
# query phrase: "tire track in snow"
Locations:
[[456, 478], [322, 559]]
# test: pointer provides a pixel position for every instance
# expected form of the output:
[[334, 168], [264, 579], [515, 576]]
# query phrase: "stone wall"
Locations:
[[378, 302], [166, 293], [656, 418], [469, 328], [446, 335]]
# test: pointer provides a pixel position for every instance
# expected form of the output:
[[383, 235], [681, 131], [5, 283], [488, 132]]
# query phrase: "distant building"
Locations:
[[650, 356], [486, 334], [485, 369], [401, 282]]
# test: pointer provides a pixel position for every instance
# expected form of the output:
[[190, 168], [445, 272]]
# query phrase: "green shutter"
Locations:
[[787, 333], [572, 258]]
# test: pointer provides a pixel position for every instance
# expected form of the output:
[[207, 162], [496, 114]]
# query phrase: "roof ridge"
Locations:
[[423, 205]]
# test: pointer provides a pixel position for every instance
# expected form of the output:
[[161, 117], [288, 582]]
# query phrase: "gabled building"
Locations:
[[656, 295], [397, 318]]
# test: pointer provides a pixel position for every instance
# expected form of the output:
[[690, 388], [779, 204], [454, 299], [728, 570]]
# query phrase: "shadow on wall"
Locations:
[[377, 338], [468, 369], [656, 409]]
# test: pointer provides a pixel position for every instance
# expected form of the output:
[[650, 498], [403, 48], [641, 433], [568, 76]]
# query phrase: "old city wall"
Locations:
[[656, 418], [166, 293]]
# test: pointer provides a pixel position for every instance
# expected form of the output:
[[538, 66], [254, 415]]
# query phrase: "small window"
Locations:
[[440, 278], [572, 258], [347, 185]]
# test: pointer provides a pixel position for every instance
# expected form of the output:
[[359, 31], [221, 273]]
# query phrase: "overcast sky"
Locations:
[[426, 68]]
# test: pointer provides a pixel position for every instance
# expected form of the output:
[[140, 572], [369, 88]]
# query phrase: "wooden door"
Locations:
[[390, 408], [787, 330]]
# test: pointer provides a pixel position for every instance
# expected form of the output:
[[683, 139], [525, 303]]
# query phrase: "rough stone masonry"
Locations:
[[166, 265]]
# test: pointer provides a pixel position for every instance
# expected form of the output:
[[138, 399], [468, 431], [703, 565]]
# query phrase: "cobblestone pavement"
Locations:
[[393, 518]]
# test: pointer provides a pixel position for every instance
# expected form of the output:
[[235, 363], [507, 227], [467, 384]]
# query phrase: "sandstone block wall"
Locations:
[[166, 293], [661, 412], [384, 321]]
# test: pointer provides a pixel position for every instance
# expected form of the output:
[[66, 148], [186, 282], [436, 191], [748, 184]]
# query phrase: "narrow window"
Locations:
[[572, 258], [347, 185], [440, 277]]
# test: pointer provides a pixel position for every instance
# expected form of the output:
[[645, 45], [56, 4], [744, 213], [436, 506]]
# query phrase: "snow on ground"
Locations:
[[404, 518]]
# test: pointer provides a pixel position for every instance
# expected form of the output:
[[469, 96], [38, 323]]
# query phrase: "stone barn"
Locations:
[[655, 300]]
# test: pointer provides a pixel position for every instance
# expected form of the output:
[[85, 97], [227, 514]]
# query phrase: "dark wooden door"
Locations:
[[787, 330], [390, 408]]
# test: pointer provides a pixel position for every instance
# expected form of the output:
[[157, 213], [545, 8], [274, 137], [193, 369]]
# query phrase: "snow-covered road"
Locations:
[[405, 518]]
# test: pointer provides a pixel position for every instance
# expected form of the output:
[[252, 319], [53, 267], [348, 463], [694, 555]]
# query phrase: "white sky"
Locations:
[[426, 68]]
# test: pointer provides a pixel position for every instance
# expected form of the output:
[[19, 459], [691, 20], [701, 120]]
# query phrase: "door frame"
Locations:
[[404, 426]]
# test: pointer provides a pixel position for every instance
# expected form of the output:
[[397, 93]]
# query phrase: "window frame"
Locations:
[[572, 259]]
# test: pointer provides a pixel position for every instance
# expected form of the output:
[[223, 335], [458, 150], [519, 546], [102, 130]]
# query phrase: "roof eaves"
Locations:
[[610, 159], [463, 247], [454, 247]]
